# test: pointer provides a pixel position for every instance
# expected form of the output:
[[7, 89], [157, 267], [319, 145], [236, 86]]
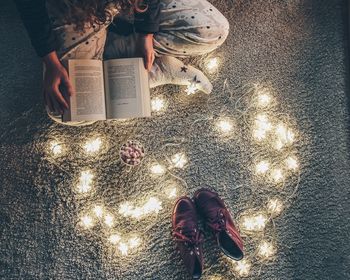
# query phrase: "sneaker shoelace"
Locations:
[[218, 223], [191, 236]]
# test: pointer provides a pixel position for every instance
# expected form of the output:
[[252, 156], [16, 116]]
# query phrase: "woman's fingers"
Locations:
[[149, 59], [152, 60], [146, 59]]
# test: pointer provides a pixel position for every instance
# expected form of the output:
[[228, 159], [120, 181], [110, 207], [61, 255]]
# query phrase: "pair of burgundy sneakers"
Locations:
[[189, 238]]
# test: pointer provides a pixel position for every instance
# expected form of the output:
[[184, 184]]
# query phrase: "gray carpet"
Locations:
[[297, 48]]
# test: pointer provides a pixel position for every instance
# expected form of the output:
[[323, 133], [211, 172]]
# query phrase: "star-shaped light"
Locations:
[[191, 88], [179, 160], [93, 146], [266, 249]]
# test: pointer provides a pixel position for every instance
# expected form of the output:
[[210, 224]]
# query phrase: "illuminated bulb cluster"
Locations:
[[266, 250], [191, 88], [93, 146], [153, 205], [274, 206], [179, 160], [262, 167], [158, 169], [212, 64], [101, 214], [56, 148], [85, 181], [124, 246], [254, 223], [157, 104], [284, 136], [242, 268], [262, 127], [224, 126], [276, 174]]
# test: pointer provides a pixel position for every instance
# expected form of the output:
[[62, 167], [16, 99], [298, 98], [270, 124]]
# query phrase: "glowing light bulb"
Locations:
[[85, 181], [157, 104], [98, 210], [274, 206], [259, 134], [290, 136], [292, 163], [264, 99], [213, 64], [281, 130], [277, 175], [137, 213], [125, 208], [262, 167], [172, 192], [225, 126], [152, 205], [56, 148], [157, 169], [285, 135], [242, 268], [266, 249], [191, 88], [262, 125], [123, 248], [114, 238], [134, 242], [87, 221], [179, 160], [93, 146], [254, 223], [279, 144], [109, 220], [260, 221]]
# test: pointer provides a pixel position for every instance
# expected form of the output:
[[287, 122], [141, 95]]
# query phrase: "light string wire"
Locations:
[[236, 102]]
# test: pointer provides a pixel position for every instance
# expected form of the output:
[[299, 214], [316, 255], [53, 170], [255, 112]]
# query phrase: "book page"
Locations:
[[127, 88], [88, 102]]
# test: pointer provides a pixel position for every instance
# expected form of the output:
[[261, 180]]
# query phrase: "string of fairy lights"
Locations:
[[270, 131]]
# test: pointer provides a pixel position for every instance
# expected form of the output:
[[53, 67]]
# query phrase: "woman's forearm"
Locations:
[[51, 59]]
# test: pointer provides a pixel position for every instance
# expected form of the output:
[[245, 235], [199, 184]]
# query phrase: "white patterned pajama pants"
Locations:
[[187, 28]]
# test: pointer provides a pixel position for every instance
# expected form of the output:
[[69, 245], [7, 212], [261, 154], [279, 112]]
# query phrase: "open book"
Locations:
[[111, 89]]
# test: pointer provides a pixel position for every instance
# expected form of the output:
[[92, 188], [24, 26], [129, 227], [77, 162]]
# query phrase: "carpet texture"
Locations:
[[296, 48]]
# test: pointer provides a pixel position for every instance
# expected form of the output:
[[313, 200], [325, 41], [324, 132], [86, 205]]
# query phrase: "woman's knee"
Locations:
[[219, 26]]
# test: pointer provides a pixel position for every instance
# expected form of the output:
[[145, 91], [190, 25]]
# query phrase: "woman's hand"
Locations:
[[147, 51], [55, 81]]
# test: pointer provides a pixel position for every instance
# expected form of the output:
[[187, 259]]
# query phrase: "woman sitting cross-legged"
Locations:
[[160, 31]]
